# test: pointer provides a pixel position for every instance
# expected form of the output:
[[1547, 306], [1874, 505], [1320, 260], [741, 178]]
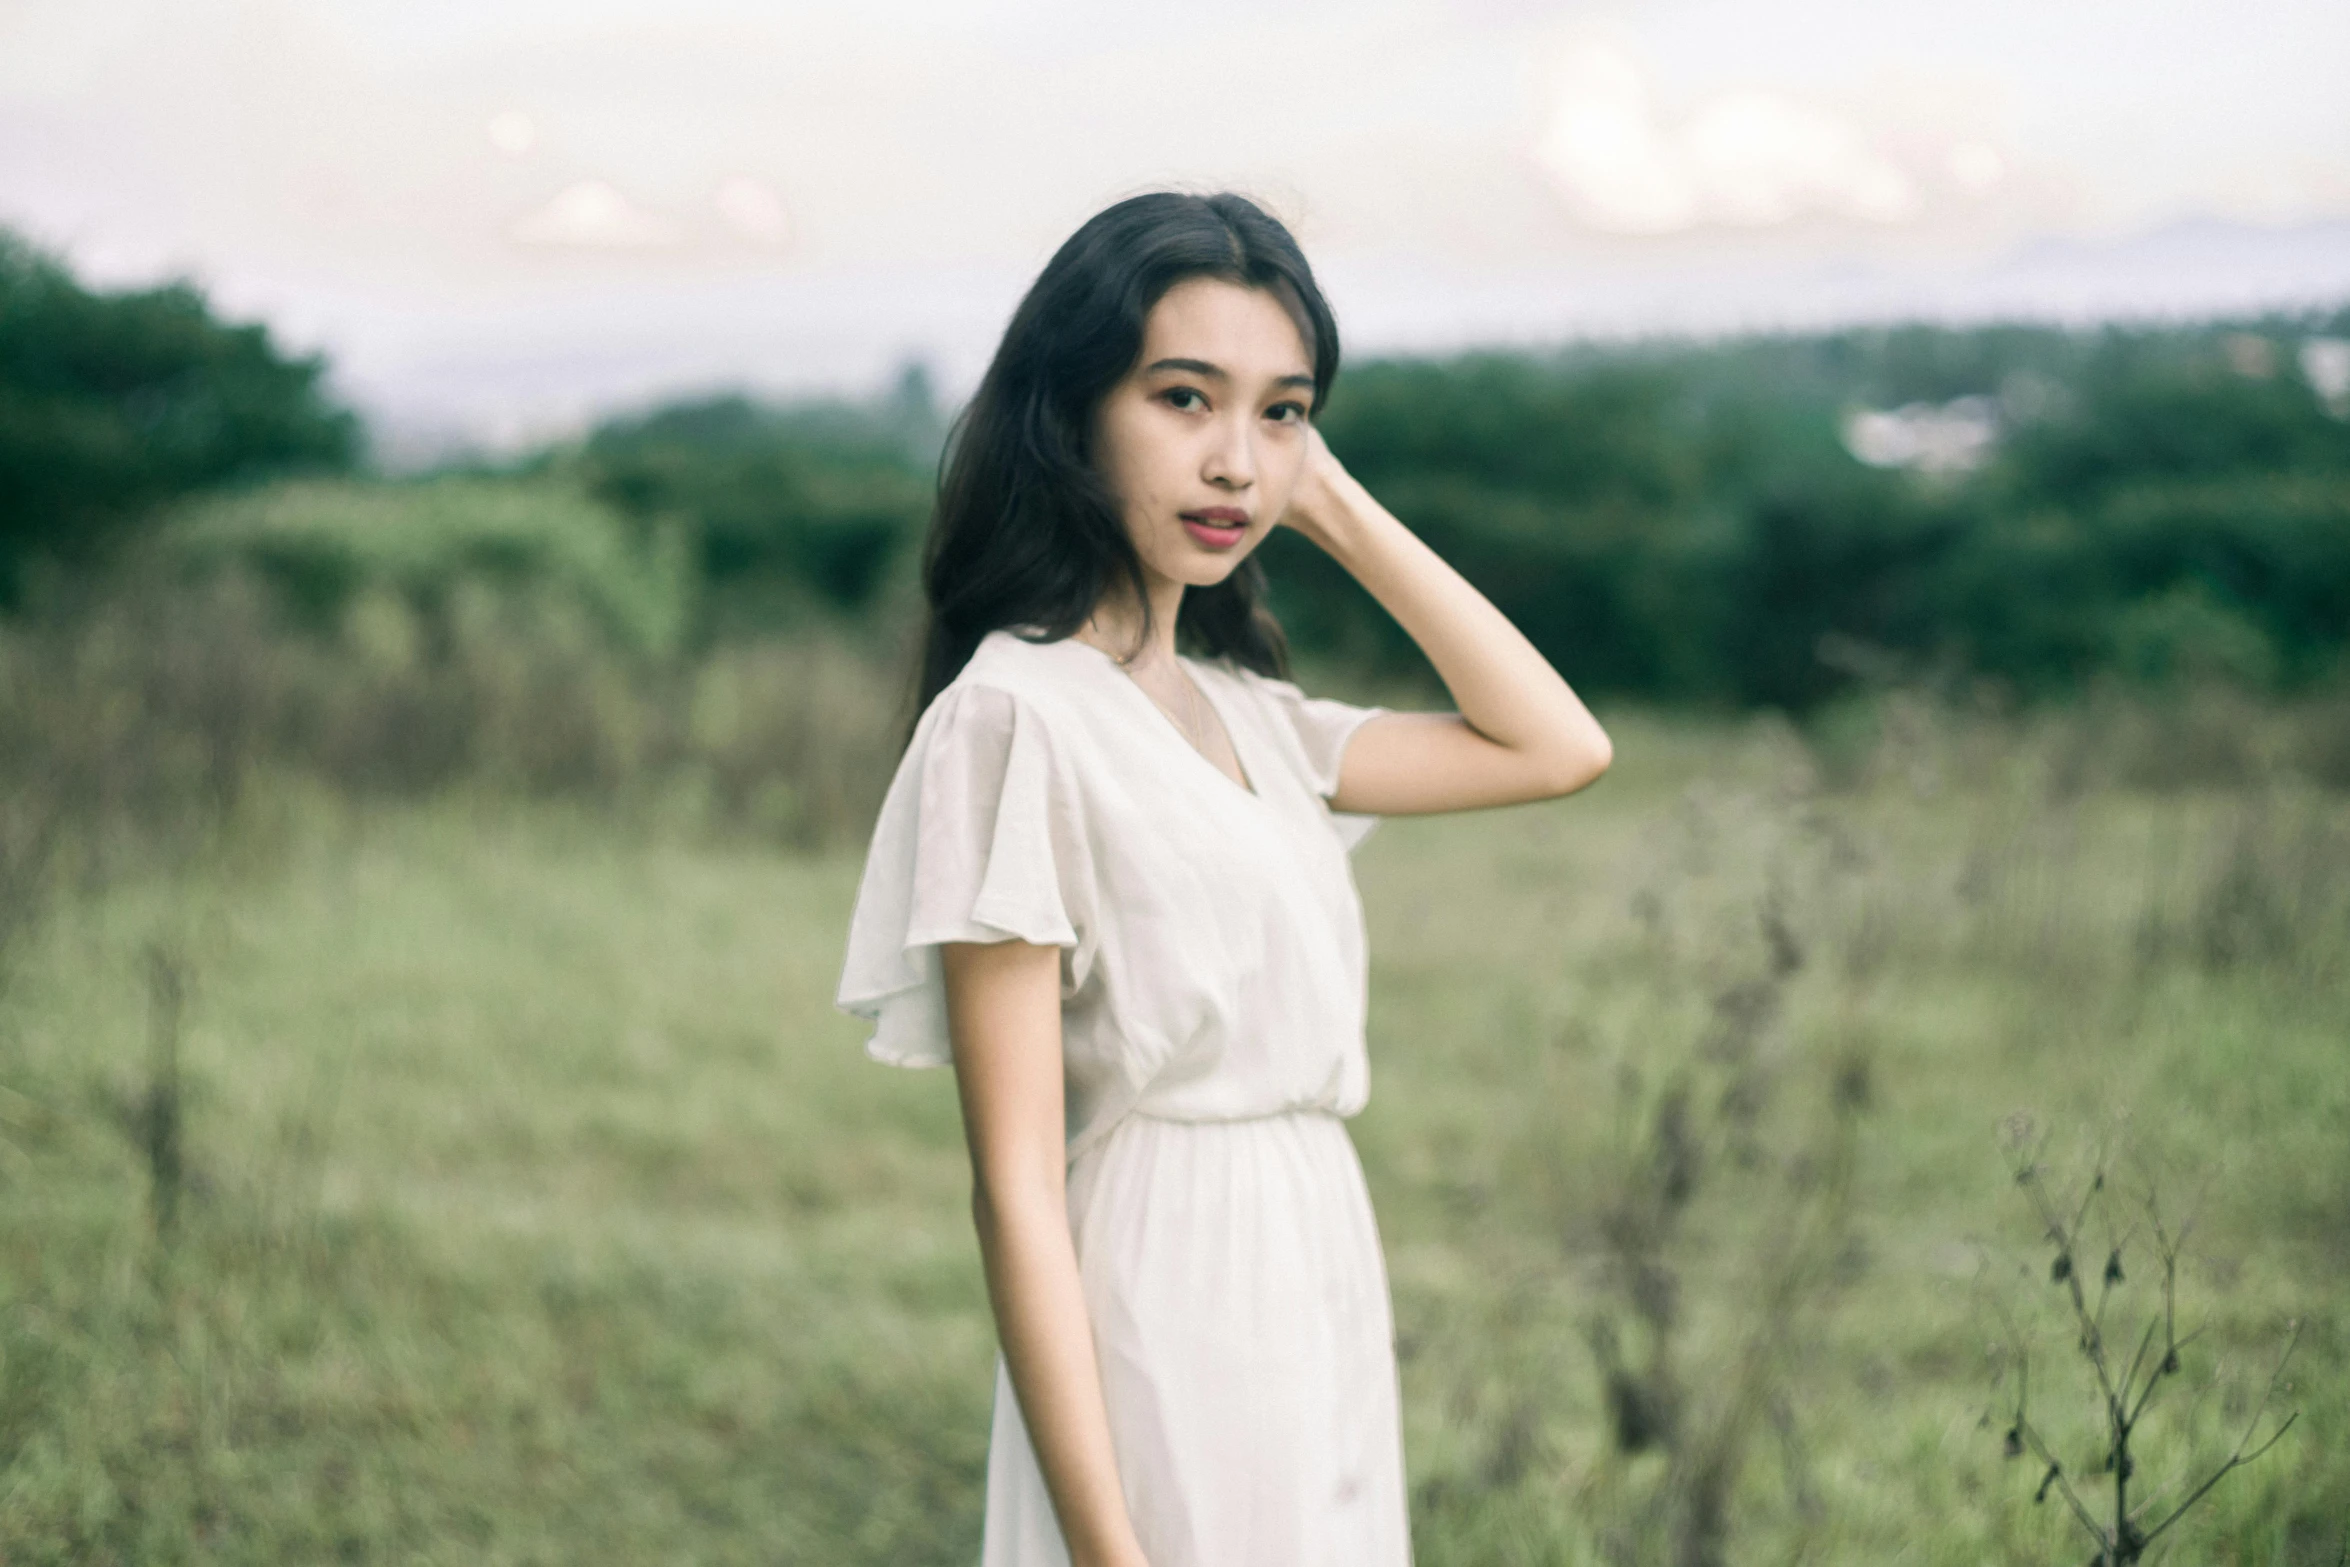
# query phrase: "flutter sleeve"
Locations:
[[1320, 729], [976, 842]]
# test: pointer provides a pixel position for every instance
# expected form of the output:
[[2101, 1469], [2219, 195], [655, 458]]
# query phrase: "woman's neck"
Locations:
[[1116, 624]]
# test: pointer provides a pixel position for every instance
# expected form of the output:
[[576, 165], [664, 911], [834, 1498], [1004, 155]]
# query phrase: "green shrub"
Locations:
[[324, 546], [787, 507], [113, 404]]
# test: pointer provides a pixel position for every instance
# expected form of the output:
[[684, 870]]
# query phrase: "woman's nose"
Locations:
[[1232, 460]]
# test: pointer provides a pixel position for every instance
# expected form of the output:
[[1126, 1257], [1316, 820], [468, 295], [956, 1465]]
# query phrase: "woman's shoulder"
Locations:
[[1312, 730], [1008, 675], [1262, 691], [1016, 661], [1279, 692]]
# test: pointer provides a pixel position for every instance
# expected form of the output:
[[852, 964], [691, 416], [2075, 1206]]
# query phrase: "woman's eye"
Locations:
[[1286, 413], [1183, 399]]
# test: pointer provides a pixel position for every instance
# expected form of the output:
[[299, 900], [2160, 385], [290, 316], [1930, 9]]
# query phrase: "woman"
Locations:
[[1109, 886]]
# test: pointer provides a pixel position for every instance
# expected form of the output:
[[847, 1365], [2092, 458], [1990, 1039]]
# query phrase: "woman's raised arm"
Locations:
[[1004, 1018], [1521, 733]]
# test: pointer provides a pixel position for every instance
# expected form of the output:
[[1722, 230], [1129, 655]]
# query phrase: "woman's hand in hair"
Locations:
[[1327, 498]]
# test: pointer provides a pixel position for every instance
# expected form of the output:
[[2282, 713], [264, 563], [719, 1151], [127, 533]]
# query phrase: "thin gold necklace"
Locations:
[[1192, 729]]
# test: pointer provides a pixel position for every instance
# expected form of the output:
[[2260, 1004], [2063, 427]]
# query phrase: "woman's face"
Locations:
[[1203, 440]]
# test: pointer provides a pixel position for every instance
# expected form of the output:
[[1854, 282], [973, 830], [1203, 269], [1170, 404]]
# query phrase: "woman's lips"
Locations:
[[1217, 528]]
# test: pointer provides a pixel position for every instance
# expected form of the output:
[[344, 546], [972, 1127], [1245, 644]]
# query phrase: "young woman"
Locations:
[[1110, 885]]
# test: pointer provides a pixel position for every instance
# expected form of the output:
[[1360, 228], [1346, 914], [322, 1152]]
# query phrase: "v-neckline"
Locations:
[[1175, 730]]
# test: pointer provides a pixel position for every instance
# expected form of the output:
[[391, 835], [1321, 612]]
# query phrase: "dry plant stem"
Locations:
[[167, 990], [2064, 1485], [2126, 1398], [1704, 1422]]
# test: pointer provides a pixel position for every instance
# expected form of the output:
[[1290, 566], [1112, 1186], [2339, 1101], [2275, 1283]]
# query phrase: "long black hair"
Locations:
[[1026, 533]]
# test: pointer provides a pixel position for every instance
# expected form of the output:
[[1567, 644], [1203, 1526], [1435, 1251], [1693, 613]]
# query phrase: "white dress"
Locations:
[[1212, 1001]]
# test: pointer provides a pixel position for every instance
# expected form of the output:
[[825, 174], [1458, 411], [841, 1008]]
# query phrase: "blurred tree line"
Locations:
[[1757, 521], [1693, 522], [791, 509], [114, 405]]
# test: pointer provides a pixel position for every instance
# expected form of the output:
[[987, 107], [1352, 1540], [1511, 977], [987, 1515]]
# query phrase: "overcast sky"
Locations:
[[502, 215]]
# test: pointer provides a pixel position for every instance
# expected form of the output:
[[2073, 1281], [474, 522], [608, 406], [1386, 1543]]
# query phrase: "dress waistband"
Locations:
[[1100, 1137], [1321, 1112]]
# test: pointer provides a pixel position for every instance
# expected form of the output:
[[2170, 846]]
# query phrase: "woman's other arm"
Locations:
[[1004, 1018], [1521, 733]]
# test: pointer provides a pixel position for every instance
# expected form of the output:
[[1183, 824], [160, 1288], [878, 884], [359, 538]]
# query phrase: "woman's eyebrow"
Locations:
[[1200, 367]]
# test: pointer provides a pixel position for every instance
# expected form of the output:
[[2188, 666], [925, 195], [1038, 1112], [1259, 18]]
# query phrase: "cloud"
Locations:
[[1746, 158], [1976, 165], [751, 210], [592, 215], [513, 132], [1759, 158]]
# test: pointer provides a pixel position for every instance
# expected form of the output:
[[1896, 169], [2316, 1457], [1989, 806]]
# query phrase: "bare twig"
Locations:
[[2125, 1397], [2239, 1458]]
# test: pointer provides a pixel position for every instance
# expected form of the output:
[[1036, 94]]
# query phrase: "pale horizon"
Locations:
[[500, 221]]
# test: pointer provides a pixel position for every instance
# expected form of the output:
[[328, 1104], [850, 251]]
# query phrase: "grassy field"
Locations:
[[537, 1207]]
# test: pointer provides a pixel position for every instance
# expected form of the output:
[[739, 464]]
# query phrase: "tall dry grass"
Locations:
[[137, 717], [1683, 1139]]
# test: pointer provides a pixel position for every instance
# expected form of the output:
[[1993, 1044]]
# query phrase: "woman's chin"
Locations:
[[1198, 567]]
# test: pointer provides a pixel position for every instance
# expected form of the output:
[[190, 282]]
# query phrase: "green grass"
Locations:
[[543, 1211]]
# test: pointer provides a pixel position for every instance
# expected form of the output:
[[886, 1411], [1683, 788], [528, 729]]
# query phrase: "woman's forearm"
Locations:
[[1047, 1338], [1506, 692]]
